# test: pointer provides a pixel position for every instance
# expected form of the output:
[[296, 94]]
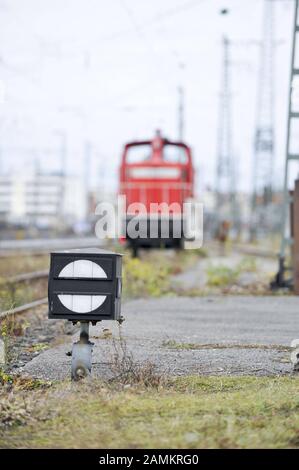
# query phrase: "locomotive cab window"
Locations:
[[138, 153], [174, 154]]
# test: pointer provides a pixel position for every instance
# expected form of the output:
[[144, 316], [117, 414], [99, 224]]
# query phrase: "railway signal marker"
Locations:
[[84, 286]]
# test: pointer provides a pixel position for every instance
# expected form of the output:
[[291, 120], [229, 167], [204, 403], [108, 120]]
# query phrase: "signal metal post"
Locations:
[[82, 353]]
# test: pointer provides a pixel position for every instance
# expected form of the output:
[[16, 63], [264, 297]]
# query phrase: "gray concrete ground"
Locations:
[[48, 244], [226, 326]]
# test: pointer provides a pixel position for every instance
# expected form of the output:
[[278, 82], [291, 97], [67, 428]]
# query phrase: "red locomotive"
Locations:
[[159, 174]]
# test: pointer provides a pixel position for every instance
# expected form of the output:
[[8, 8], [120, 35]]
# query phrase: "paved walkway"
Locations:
[[231, 335]]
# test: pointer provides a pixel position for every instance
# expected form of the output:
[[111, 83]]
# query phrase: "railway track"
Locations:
[[35, 276], [23, 308], [255, 251], [39, 247], [246, 249], [27, 277], [34, 248], [14, 281]]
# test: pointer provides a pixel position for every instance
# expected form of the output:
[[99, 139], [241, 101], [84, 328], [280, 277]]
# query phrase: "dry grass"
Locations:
[[18, 264], [149, 276], [189, 412], [127, 371], [14, 295], [172, 344]]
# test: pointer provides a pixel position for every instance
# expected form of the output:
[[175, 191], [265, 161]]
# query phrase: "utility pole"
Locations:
[[181, 100], [181, 113], [87, 164], [62, 151], [264, 139], [226, 205], [63, 171]]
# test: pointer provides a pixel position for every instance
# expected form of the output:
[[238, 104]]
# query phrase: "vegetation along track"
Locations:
[[17, 292]]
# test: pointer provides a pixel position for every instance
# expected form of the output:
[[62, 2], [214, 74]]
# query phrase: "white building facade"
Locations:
[[42, 200]]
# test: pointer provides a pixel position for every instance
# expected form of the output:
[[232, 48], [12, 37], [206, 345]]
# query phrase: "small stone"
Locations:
[[2, 352], [191, 437], [42, 339]]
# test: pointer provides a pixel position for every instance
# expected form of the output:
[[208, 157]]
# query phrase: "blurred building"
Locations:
[[42, 200]]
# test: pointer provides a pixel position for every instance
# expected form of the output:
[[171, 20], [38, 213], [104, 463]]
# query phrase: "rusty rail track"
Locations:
[[23, 308], [255, 251], [42, 247], [27, 277], [247, 249], [24, 278]]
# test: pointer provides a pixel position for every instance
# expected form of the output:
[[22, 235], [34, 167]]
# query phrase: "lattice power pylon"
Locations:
[[226, 205], [264, 140]]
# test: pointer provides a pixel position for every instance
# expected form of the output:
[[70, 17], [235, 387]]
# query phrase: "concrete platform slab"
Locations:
[[241, 336]]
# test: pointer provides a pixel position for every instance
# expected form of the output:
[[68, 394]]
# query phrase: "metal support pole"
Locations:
[[181, 114], [295, 246], [285, 239], [295, 355], [81, 354]]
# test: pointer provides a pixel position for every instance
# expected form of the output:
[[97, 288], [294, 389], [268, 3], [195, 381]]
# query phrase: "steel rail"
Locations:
[[23, 308], [254, 251], [32, 276], [19, 278]]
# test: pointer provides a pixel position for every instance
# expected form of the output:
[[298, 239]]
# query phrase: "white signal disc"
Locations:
[[81, 303], [82, 269]]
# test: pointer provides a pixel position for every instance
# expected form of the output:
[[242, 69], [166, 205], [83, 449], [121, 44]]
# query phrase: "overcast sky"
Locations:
[[107, 72]]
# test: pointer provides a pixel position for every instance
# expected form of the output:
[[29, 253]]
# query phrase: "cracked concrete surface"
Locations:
[[219, 320]]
